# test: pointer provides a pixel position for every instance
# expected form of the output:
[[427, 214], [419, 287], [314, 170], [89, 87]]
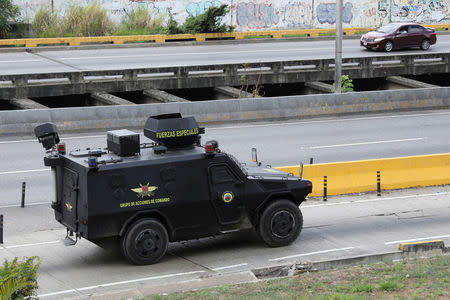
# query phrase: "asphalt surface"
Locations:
[[163, 56], [345, 226], [278, 144]]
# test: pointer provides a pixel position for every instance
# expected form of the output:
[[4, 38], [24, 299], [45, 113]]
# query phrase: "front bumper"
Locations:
[[371, 45]]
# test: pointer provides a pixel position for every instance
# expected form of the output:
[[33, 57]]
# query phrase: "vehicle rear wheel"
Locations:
[[280, 223], [425, 45], [145, 242], [388, 46]]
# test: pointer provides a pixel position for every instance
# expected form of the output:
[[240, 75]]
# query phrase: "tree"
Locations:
[[347, 84], [8, 12], [208, 21]]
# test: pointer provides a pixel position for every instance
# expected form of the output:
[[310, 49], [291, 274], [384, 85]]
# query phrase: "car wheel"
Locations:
[[388, 46], [425, 45], [145, 242], [280, 223]]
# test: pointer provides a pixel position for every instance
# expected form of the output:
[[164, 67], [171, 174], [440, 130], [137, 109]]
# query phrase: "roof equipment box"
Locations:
[[123, 142]]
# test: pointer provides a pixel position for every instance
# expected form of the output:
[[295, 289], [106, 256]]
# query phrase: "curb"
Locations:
[[420, 250], [172, 44]]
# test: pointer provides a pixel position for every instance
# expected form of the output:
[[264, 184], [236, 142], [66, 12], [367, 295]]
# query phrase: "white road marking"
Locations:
[[25, 171], [28, 204], [377, 200], [230, 267], [19, 61], [418, 239], [117, 283], [368, 143], [311, 253], [260, 125], [29, 245]]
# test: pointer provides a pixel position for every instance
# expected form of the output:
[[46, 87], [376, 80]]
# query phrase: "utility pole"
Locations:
[[338, 49]]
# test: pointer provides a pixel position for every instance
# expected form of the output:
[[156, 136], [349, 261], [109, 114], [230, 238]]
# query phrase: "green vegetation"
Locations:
[[140, 21], [209, 21], [409, 279], [206, 22], [347, 84], [18, 279], [93, 20], [8, 13], [89, 20]]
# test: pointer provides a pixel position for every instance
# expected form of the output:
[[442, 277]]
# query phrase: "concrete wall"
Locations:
[[249, 15], [108, 117]]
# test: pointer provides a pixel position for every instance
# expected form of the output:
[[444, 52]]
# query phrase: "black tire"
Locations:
[[280, 223], [145, 242], [425, 45], [388, 46]]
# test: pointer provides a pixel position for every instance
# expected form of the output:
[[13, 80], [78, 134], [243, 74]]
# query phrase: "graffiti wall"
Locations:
[[247, 15]]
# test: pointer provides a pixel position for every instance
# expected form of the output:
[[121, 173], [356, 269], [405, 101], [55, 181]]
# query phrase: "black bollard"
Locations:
[[22, 204], [325, 188], [311, 161], [378, 184], [1, 229]]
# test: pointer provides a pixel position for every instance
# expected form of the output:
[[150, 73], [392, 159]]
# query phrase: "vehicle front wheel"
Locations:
[[145, 242], [388, 46], [280, 223], [425, 45]]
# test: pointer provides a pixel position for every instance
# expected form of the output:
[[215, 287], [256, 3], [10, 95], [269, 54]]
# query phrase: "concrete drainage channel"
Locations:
[[424, 249], [408, 251]]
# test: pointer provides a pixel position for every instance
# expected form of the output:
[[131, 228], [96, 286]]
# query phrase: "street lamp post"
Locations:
[[338, 49]]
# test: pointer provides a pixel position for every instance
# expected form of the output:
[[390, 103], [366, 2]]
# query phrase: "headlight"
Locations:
[[378, 40]]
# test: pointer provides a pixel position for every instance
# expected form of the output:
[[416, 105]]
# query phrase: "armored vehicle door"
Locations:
[[70, 199], [226, 193]]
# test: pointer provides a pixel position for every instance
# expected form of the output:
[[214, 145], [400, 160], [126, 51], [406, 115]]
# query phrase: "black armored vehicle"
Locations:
[[145, 195]]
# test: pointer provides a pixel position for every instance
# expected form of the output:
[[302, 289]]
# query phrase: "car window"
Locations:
[[221, 174], [390, 28], [403, 29], [415, 28]]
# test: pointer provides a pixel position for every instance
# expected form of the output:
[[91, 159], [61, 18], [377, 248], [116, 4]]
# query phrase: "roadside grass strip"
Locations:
[[406, 279]]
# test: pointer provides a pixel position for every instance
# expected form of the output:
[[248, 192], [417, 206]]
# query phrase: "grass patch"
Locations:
[[257, 36], [326, 34], [295, 35], [412, 279]]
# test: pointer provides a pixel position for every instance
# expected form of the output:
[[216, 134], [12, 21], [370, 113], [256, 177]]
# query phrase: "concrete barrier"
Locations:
[[361, 176], [234, 110]]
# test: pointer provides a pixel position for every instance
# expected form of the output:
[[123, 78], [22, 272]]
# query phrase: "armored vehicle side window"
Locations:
[[221, 174]]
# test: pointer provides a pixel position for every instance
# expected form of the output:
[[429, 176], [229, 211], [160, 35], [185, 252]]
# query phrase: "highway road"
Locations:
[[278, 143], [343, 227], [167, 55]]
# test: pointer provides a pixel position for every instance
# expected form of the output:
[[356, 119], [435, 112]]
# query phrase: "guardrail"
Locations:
[[161, 38], [361, 176], [198, 76]]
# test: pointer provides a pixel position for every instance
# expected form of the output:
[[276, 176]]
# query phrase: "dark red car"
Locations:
[[399, 35]]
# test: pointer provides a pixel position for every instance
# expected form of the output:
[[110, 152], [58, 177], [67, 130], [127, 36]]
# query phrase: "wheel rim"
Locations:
[[388, 46], [147, 243], [425, 44], [283, 223]]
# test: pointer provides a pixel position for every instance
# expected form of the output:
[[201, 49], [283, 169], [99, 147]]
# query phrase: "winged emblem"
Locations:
[[145, 190]]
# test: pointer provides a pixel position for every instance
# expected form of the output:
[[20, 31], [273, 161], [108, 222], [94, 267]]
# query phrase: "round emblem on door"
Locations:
[[227, 196]]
